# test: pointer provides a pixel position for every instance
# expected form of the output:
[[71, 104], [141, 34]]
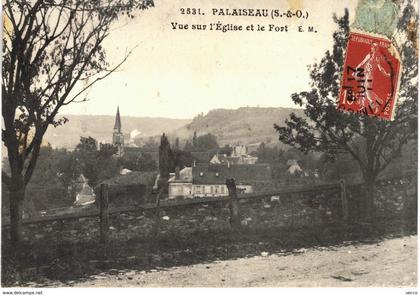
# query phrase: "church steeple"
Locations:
[[118, 136], [117, 125]]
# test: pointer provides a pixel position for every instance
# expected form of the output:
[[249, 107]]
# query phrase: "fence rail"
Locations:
[[96, 212]]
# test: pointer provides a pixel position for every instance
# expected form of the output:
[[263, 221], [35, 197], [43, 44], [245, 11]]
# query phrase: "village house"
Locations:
[[238, 156], [208, 180], [181, 183]]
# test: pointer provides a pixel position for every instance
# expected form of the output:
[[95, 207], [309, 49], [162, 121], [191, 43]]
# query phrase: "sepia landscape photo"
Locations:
[[150, 143]]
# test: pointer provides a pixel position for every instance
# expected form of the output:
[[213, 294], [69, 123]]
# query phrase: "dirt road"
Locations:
[[389, 263]]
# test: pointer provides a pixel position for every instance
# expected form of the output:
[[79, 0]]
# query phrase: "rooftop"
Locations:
[[243, 174]]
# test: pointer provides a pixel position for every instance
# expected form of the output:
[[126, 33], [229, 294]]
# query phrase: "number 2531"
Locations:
[[191, 11]]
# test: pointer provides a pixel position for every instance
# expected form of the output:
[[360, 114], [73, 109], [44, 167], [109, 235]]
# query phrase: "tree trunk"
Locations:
[[368, 197], [17, 195]]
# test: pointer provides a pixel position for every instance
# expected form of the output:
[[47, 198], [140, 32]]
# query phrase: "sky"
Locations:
[[181, 73]]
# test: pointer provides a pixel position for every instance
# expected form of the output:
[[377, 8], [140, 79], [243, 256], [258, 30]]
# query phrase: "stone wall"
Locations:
[[315, 206], [184, 218]]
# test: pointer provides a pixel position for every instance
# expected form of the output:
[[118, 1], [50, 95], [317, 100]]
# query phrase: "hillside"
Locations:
[[244, 125], [101, 128]]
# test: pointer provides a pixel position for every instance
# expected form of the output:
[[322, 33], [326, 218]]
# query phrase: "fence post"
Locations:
[[103, 213], [343, 197], [235, 222]]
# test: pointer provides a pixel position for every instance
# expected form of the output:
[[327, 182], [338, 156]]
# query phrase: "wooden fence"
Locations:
[[233, 202]]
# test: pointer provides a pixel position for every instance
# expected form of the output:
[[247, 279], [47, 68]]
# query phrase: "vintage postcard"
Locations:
[[157, 143]]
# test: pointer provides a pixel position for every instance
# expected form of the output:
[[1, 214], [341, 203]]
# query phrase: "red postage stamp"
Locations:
[[371, 76]]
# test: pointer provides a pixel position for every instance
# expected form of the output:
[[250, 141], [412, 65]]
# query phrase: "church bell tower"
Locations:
[[118, 136]]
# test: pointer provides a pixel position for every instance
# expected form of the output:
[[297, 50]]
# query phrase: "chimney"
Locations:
[[177, 172]]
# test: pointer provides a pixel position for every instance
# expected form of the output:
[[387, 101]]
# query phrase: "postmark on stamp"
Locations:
[[370, 76]]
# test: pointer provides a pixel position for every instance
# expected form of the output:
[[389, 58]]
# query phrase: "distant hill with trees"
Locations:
[[244, 125], [231, 126]]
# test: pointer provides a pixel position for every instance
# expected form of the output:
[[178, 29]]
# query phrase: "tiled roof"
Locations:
[[243, 174]]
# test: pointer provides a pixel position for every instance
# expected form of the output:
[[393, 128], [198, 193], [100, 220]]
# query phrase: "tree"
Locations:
[[206, 143], [150, 145], [85, 156], [165, 157], [194, 140], [202, 143], [142, 162], [96, 164], [371, 142], [146, 163], [106, 150], [107, 165], [343, 167], [68, 170], [226, 149], [87, 145], [188, 147], [181, 159], [52, 53], [46, 190], [269, 155], [176, 147], [46, 170]]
